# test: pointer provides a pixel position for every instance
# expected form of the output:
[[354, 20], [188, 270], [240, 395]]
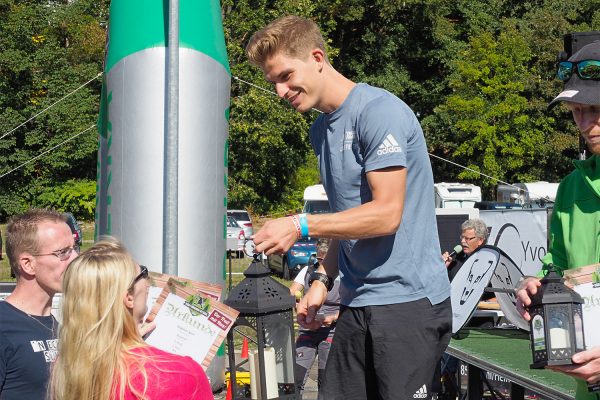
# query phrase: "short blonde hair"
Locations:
[[98, 330], [22, 233], [291, 35]]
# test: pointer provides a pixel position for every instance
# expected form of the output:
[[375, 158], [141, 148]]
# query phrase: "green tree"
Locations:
[[268, 139], [487, 112], [48, 50]]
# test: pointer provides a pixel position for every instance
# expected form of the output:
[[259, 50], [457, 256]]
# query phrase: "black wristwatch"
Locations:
[[317, 276]]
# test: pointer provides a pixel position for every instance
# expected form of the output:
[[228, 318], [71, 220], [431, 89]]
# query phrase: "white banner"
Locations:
[[486, 265], [506, 276], [469, 283], [521, 234]]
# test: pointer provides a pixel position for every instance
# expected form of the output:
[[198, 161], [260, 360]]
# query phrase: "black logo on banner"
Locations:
[[472, 280]]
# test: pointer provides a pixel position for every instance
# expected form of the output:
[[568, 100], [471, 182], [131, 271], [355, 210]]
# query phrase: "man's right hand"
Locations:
[[527, 288], [276, 236], [309, 305], [447, 259]]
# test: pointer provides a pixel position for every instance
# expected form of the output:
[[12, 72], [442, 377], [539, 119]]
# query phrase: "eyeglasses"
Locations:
[[467, 239], [62, 254], [143, 274], [585, 69]]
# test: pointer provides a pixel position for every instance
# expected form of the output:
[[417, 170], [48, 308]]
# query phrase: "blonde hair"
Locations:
[[291, 35], [22, 233], [98, 330]]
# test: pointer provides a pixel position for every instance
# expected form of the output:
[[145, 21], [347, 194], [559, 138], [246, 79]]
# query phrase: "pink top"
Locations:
[[170, 377]]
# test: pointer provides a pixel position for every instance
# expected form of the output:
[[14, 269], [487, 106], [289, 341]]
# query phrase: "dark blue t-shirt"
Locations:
[[373, 130], [28, 347]]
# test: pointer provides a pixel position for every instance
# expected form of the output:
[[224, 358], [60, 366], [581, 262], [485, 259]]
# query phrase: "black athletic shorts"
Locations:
[[387, 352]]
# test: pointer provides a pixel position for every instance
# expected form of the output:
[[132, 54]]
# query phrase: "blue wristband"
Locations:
[[303, 225]]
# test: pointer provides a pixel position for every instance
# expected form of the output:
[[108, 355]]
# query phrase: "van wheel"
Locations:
[[286, 270]]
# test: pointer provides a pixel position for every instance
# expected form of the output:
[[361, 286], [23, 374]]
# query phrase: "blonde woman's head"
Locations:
[[98, 290], [101, 303]]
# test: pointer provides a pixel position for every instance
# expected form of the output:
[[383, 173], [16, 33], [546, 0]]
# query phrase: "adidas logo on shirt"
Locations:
[[421, 393], [389, 145]]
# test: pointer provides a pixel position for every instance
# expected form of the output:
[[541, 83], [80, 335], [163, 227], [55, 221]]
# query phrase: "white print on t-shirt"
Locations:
[[38, 345], [348, 139], [389, 145], [50, 348]]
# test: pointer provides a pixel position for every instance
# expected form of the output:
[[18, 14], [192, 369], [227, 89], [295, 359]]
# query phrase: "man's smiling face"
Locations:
[[296, 81]]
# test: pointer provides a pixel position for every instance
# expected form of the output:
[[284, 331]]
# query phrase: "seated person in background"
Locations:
[[311, 342], [101, 353], [474, 235]]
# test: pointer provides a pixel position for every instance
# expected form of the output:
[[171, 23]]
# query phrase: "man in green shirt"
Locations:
[[575, 227]]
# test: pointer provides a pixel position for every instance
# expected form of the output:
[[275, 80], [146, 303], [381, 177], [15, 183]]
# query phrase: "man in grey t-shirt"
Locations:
[[376, 172]]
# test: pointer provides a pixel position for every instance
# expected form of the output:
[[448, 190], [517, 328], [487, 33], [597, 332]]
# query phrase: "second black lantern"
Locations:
[[556, 322]]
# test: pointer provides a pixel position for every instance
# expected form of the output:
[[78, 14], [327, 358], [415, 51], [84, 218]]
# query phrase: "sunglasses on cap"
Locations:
[[585, 70]]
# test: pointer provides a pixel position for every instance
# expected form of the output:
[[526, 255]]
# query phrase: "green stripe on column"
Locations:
[[141, 24]]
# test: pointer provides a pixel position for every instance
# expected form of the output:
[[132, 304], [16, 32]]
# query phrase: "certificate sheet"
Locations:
[[189, 323], [586, 282], [158, 281]]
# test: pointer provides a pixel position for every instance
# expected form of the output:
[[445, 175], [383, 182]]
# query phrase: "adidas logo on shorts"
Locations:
[[389, 145], [421, 393]]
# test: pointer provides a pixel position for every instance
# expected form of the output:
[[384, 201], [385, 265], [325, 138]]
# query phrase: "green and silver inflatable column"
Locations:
[[132, 126]]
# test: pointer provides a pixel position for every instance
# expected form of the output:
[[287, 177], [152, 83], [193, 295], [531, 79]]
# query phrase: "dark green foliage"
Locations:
[[47, 50], [478, 73]]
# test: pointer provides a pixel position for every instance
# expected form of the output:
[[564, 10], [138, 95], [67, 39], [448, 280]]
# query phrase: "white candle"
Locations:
[[559, 338], [270, 374]]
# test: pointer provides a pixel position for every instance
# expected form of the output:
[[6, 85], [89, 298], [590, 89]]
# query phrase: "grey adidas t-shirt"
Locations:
[[371, 130]]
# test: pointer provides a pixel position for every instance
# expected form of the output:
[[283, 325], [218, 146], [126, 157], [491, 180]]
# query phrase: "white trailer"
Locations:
[[507, 194], [456, 195], [539, 194]]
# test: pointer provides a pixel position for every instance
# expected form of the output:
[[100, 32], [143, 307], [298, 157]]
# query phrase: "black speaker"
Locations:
[[576, 40]]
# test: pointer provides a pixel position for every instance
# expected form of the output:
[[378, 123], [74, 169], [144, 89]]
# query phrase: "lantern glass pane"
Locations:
[[558, 324], [279, 335], [578, 325]]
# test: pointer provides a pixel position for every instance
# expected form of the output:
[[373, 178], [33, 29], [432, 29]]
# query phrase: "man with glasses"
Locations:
[[574, 227], [474, 235], [39, 246]]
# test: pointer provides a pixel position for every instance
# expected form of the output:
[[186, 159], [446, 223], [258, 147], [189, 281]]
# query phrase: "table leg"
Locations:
[[474, 383], [517, 392]]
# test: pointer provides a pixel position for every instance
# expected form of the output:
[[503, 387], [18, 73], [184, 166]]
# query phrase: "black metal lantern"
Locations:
[[265, 306], [556, 322]]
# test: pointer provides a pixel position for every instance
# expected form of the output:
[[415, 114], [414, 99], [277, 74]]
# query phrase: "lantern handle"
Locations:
[[250, 250]]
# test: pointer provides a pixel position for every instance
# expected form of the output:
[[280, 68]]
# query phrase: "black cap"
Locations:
[[577, 90]]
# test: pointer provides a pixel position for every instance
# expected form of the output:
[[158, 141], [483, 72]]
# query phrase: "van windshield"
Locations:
[[316, 206]]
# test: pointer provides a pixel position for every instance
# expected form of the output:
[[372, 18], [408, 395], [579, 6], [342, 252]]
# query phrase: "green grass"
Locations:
[[4, 266]]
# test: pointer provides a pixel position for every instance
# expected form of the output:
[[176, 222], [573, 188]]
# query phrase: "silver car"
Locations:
[[235, 238]]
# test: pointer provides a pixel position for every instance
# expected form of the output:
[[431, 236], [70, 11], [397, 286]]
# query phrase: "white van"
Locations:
[[315, 200], [456, 195]]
